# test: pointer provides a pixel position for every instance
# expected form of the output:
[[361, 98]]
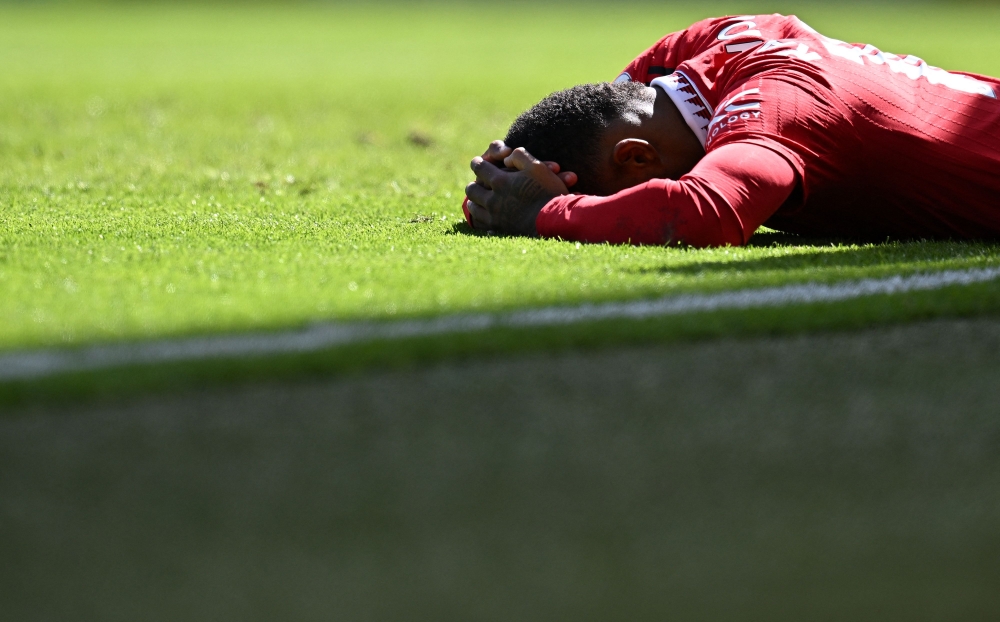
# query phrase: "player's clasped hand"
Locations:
[[508, 200]]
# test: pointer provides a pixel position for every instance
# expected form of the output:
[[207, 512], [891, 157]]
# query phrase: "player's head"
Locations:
[[600, 131], [567, 126]]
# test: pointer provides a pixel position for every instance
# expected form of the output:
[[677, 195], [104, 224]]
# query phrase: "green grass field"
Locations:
[[171, 171], [178, 170]]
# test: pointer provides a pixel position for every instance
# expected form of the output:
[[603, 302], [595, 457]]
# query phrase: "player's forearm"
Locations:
[[730, 193], [661, 211]]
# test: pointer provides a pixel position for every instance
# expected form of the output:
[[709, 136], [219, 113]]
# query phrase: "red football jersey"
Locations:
[[882, 145]]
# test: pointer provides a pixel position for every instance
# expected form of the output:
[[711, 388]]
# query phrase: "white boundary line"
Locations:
[[29, 364]]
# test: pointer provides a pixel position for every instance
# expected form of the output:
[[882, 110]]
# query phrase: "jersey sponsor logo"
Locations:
[[734, 110], [740, 95], [724, 122], [689, 101]]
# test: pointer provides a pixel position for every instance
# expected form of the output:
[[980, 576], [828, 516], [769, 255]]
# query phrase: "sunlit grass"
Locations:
[[174, 170]]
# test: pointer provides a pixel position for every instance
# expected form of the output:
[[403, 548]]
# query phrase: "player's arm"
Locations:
[[730, 193], [723, 200]]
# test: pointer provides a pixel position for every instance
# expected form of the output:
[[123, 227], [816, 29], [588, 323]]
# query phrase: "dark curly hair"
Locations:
[[566, 126]]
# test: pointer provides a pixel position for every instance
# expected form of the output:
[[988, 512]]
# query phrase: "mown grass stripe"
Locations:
[[40, 363]]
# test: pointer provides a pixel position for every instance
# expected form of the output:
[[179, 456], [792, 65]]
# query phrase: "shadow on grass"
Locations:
[[814, 252], [767, 239], [463, 228], [835, 254], [759, 240]]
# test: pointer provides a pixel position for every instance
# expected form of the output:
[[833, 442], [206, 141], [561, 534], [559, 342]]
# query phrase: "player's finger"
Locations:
[[496, 152], [478, 194], [521, 159], [569, 178], [486, 173], [481, 220], [553, 166]]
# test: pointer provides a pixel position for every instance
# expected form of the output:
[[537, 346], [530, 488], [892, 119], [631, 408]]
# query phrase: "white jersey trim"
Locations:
[[689, 100]]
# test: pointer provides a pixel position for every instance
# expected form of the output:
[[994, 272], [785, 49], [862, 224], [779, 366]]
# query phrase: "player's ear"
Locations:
[[635, 152]]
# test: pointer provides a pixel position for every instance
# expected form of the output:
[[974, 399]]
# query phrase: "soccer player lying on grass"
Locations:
[[742, 121]]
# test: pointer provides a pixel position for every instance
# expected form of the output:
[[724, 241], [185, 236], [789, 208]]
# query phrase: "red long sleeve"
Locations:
[[730, 193]]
